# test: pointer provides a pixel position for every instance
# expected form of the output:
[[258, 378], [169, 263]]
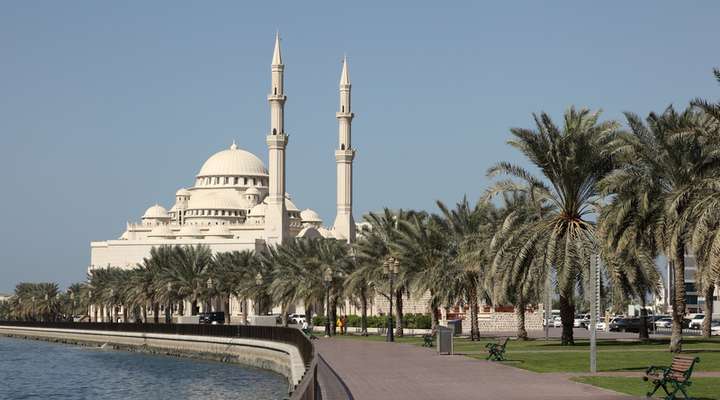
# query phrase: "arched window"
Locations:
[[276, 91], [274, 131], [343, 108], [342, 147]]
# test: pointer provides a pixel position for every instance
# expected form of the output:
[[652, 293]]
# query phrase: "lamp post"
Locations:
[[210, 299], [391, 267], [327, 279], [259, 283], [72, 310], [33, 307], [111, 311]]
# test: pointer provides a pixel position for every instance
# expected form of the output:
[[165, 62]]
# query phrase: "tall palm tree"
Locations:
[[470, 230], [517, 280], [572, 158], [423, 243], [188, 274], [380, 244], [666, 161]]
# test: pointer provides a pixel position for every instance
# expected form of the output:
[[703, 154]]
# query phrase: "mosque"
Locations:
[[236, 203]]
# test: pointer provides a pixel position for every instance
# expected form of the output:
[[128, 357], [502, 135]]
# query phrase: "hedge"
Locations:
[[410, 321]]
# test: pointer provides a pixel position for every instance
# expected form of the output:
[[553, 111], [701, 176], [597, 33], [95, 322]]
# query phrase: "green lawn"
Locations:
[[613, 355], [701, 388]]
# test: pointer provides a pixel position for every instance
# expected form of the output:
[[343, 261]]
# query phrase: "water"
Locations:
[[40, 370]]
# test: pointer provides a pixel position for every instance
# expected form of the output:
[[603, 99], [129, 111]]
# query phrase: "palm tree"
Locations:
[[666, 161], [422, 243], [516, 279], [380, 244], [188, 274], [230, 271], [572, 159]]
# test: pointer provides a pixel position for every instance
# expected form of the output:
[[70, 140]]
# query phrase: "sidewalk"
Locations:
[[396, 371]]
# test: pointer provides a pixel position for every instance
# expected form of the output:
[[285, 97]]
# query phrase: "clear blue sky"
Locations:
[[107, 108]]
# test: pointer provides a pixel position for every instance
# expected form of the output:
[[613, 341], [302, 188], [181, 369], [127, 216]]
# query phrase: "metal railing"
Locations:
[[306, 389]]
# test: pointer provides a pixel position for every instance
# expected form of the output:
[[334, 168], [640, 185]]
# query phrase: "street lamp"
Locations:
[[210, 289], [33, 307], [327, 279], [391, 267], [72, 310]]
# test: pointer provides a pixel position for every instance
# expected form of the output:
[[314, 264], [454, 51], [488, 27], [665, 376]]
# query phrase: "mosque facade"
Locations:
[[236, 202]]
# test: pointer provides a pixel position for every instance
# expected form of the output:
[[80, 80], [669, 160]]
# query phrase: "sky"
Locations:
[[109, 107]]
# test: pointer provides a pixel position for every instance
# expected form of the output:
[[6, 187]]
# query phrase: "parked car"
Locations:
[[581, 321], [625, 325], [715, 327], [213, 318], [697, 321], [297, 319], [665, 322], [557, 322]]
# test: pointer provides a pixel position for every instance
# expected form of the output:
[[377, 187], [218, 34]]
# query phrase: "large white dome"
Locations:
[[233, 162]]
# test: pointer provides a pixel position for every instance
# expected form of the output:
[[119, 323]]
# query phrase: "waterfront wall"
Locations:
[[280, 357]]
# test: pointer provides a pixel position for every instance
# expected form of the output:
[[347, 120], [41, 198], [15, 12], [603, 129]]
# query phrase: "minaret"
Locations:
[[276, 220], [344, 226]]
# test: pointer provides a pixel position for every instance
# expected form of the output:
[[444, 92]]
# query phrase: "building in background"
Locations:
[[694, 301]]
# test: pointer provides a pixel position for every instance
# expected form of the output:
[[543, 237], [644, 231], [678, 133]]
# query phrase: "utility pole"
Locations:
[[594, 303], [548, 305]]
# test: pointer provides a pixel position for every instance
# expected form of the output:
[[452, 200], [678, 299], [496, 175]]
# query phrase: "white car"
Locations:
[[696, 321], [715, 328], [663, 323], [557, 322], [581, 321]]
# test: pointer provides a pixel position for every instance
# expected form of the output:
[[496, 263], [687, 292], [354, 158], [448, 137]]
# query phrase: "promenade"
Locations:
[[398, 371]]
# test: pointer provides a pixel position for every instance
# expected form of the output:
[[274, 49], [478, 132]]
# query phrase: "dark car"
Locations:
[[212, 318], [625, 325]]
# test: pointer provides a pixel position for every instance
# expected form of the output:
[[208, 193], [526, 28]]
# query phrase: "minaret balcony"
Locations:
[[277, 97], [344, 155], [279, 140], [344, 115]]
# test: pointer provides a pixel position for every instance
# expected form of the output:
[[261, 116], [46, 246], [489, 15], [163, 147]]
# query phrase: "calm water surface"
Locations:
[[40, 370]]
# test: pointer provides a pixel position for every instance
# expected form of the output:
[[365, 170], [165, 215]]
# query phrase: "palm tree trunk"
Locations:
[[245, 310], [399, 312], [643, 335], [168, 312], [226, 307], [567, 315], [474, 311], [708, 309], [95, 313], [284, 315], [181, 307], [678, 311], [125, 314], [156, 312], [363, 311], [520, 313], [333, 315], [194, 309]]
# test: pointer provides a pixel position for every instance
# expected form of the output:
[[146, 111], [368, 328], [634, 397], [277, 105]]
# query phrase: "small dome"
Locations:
[[161, 231], [289, 205], [156, 212], [218, 231], [189, 231], [258, 210], [233, 162], [252, 191], [183, 192], [308, 215]]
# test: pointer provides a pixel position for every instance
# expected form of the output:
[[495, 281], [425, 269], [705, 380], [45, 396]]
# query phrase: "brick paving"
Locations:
[[398, 371]]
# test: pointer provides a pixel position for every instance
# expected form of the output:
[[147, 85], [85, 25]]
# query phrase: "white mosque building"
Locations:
[[236, 203]]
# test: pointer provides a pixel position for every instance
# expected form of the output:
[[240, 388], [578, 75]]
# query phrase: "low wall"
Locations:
[[279, 357]]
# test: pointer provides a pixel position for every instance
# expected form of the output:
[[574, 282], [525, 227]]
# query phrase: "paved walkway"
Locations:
[[397, 371]]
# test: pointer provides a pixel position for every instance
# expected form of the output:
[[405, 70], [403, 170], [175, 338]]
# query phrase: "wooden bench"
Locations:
[[428, 340], [496, 351], [673, 379]]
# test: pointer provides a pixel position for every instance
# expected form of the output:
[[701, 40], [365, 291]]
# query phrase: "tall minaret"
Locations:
[[344, 226], [276, 220]]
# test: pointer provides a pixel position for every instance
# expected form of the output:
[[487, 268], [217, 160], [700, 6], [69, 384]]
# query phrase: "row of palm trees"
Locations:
[[625, 195]]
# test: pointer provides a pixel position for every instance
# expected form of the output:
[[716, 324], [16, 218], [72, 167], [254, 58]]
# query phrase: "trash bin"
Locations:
[[445, 339], [456, 325]]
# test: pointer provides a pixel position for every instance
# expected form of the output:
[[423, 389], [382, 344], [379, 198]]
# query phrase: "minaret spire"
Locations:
[[277, 57], [344, 226], [276, 219]]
